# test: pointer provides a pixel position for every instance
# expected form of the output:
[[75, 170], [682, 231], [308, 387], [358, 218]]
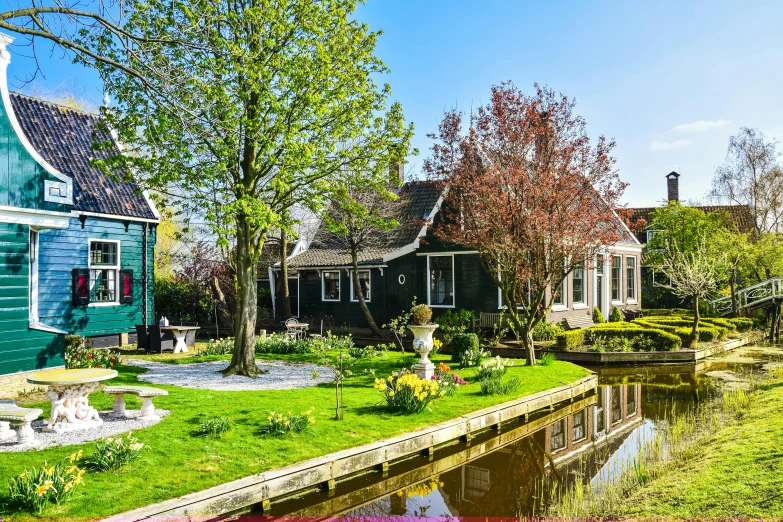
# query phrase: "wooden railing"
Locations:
[[752, 297]]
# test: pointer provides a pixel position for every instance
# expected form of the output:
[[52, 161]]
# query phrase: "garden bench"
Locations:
[[574, 323], [145, 393], [19, 418]]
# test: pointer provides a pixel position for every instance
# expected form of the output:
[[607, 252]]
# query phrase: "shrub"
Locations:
[[547, 359], [461, 343], [598, 317], [406, 392], [490, 375], [455, 322], [447, 382], [603, 343], [720, 322], [421, 314], [280, 424], [571, 339], [473, 357], [361, 352], [662, 340], [743, 324], [616, 316], [113, 453], [218, 347], [35, 488], [79, 353], [280, 343], [215, 427], [545, 331]]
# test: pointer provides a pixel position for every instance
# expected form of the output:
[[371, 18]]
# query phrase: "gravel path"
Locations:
[[207, 376], [112, 425]]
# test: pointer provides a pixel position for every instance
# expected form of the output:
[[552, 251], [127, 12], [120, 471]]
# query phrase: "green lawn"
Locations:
[[180, 462], [737, 473]]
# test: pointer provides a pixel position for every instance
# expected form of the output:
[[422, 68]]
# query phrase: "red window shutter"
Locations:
[[126, 286], [81, 286]]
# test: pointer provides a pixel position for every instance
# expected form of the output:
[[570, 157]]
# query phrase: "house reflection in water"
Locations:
[[510, 481]]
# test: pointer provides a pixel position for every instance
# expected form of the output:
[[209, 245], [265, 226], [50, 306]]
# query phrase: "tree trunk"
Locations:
[[530, 351], [243, 361], [284, 275], [695, 331], [523, 331], [357, 291]]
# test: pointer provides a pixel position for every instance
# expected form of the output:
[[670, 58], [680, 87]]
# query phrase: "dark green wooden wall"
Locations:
[[21, 348]]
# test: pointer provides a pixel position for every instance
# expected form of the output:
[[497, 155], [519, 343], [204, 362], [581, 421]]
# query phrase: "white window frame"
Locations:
[[628, 412], [580, 305], [585, 425], [115, 267], [629, 299], [368, 299], [453, 283], [649, 234], [34, 255], [563, 422], [619, 280], [561, 307], [323, 285]]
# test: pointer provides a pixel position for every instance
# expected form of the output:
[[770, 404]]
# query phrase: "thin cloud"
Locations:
[[700, 126], [656, 145]]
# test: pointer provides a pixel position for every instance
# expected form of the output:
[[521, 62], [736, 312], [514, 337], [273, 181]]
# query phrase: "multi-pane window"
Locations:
[[630, 270], [441, 275], [617, 404], [558, 438], [600, 413], [630, 400], [580, 425], [104, 265], [364, 286], [330, 284], [558, 299], [578, 286], [617, 262]]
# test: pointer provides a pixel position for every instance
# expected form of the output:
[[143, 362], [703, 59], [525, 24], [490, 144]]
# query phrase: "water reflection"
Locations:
[[513, 472]]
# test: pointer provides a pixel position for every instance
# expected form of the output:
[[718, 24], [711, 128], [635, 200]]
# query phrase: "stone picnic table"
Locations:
[[68, 392], [179, 332]]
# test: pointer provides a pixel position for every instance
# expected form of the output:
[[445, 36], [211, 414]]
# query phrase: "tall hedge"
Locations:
[[570, 339], [666, 340], [461, 343]]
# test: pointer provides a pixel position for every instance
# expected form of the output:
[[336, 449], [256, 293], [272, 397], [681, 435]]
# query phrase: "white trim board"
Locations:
[[34, 218]]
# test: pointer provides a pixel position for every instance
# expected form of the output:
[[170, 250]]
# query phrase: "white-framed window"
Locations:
[[364, 284], [630, 400], [104, 265], [559, 297], [580, 426], [600, 412], [617, 404], [650, 235], [630, 278], [33, 304], [330, 285], [440, 281], [578, 285], [557, 439], [617, 267]]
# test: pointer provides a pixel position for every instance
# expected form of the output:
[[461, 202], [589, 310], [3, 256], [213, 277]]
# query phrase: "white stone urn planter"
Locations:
[[422, 344]]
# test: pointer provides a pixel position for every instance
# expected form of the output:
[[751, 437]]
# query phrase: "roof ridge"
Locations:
[[57, 105]]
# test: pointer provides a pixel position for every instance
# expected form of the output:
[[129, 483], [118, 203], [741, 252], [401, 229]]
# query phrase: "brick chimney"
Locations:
[[396, 173], [673, 186]]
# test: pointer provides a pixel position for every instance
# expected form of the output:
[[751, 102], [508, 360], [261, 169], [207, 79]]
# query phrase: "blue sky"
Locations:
[[670, 81]]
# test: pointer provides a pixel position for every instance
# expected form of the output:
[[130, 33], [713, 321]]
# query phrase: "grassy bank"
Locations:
[[736, 472], [178, 461]]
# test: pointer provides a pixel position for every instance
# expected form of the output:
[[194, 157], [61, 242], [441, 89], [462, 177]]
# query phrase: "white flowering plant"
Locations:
[[490, 375]]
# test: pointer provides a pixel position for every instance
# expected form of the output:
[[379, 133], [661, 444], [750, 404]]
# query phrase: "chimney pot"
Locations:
[[673, 186]]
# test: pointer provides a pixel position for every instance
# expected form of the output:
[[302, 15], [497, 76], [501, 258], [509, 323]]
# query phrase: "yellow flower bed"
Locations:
[[406, 392]]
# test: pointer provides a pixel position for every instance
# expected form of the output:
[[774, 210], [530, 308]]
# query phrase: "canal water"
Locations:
[[509, 472]]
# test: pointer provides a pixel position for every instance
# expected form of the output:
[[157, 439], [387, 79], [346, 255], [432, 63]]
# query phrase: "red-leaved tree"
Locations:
[[529, 191]]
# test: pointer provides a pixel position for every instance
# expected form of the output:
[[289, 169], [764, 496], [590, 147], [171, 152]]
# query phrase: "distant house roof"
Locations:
[[740, 215], [64, 137], [419, 199]]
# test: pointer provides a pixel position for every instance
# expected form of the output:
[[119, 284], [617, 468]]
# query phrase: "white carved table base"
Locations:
[[70, 408], [180, 335]]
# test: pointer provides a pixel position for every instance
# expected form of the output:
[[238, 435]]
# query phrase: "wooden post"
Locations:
[[772, 324]]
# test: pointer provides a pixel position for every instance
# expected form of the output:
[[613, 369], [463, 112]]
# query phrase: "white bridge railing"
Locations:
[[752, 296]]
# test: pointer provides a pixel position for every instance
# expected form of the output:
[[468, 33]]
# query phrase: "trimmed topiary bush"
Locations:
[[598, 317], [421, 314], [743, 324], [570, 339], [661, 340], [545, 331], [461, 343], [616, 316]]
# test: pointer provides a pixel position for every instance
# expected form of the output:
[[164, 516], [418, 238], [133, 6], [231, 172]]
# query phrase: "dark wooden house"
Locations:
[[76, 247], [414, 263]]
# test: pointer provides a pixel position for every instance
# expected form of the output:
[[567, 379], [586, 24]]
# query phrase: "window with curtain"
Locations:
[[364, 285], [104, 263], [558, 299], [617, 263], [580, 425], [331, 286], [578, 285], [558, 439], [617, 404], [630, 270], [441, 280]]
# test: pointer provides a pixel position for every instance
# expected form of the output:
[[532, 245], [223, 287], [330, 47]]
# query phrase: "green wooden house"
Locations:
[[414, 263], [76, 247]]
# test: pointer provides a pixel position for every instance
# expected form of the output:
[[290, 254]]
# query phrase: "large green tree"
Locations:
[[237, 110]]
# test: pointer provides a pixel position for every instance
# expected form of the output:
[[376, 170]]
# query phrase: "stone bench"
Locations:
[[19, 418], [145, 393]]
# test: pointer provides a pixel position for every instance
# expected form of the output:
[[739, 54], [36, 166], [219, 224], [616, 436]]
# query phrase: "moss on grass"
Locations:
[[738, 471], [178, 461]]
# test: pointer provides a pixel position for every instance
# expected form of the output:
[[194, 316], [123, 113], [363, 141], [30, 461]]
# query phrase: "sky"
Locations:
[[669, 81]]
